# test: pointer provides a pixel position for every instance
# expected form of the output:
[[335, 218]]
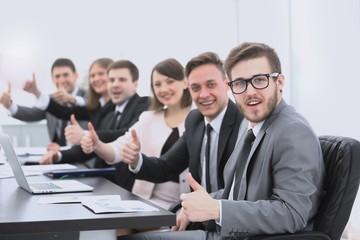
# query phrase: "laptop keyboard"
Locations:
[[44, 186]]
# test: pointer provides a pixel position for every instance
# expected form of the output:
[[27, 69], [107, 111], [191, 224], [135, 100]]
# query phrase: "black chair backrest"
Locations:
[[342, 164]]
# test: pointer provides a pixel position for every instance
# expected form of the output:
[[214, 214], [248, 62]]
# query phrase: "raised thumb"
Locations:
[[92, 132], [193, 183], [135, 137], [73, 120]]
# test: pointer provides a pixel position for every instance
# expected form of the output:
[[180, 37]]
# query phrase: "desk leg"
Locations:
[[99, 234]]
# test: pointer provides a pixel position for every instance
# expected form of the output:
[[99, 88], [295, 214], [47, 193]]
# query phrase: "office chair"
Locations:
[[342, 166]]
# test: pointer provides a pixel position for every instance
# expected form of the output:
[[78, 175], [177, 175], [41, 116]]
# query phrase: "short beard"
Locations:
[[255, 116]]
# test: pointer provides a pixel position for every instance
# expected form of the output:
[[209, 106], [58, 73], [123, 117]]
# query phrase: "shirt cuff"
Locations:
[[59, 157], [220, 221], [138, 167], [43, 101], [13, 109], [80, 101]]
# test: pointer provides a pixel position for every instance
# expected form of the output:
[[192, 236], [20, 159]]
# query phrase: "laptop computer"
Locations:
[[44, 187]]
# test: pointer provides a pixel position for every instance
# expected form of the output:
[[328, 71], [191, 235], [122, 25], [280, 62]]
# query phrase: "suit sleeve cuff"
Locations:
[[80, 101], [43, 101], [138, 167], [13, 109]]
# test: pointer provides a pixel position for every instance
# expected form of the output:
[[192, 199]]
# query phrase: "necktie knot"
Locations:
[[117, 115], [250, 137], [116, 120]]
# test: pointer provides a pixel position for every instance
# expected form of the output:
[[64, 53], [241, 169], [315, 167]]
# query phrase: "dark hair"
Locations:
[[93, 97], [202, 59], [134, 71], [249, 50], [173, 69], [63, 62]]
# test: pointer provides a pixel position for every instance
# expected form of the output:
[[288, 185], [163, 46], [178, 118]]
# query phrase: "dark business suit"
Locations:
[[34, 114], [95, 116], [107, 132], [186, 151]]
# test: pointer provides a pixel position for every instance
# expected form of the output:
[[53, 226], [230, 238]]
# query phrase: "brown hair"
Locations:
[[173, 69], [202, 59], [249, 50], [134, 71], [63, 62], [93, 97]]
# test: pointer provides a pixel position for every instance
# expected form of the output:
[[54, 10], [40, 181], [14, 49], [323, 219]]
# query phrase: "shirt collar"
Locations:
[[102, 101], [216, 122], [75, 91], [120, 108], [257, 127]]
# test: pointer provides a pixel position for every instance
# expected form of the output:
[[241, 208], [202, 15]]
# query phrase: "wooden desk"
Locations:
[[21, 214]]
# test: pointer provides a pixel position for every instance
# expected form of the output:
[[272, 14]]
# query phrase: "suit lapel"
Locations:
[[225, 131], [125, 114], [195, 166], [259, 137], [230, 167]]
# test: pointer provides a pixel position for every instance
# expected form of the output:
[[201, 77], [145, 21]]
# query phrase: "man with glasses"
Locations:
[[64, 77], [276, 186]]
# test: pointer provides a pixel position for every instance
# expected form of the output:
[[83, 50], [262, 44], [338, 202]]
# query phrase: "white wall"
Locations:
[[34, 35], [325, 53]]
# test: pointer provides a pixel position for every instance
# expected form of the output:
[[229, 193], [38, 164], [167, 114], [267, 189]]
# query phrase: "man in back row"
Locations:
[[64, 76], [276, 186], [123, 80]]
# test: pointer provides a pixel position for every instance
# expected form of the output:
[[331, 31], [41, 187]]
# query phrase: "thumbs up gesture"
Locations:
[[61, 96], [90, 141], [131, 150], [5, 98], [198, 205], [73, 132]]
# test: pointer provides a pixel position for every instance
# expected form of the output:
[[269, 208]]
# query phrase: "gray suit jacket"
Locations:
[[33, 114], [282, 181]]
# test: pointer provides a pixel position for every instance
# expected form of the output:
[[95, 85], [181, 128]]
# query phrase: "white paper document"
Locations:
[[77, 199], [118, 206]]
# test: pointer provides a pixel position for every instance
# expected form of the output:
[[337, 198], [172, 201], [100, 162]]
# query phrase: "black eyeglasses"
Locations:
[[259, 82]]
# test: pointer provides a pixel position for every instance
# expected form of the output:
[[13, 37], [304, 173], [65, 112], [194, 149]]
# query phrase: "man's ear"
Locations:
[[280, 82]]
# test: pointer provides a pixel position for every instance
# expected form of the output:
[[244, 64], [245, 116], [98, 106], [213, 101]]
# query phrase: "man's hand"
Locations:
[[53, 146], [198, 205], [61, 96], [5, 98], [131, 150], [181, 222], [73, 132], [89, 142], [49, 158], [31, 87]]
